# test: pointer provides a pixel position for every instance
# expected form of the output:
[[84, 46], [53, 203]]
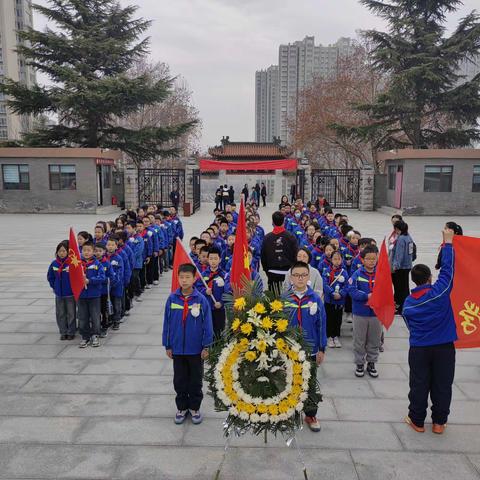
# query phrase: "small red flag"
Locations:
[[240, 262], [181, 257], [75, 266], [465, 296], [381, 301]]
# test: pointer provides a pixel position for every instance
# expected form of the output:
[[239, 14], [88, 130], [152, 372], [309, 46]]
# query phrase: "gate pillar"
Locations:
[[131, 187], [367, 187]]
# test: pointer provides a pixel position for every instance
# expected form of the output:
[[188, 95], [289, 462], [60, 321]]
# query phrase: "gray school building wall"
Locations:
[[39, 197], [461, 200]]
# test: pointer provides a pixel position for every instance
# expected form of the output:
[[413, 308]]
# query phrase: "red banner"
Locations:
[[240, 263], [381, 301], [75, 266], [207, 165], [465, 296]]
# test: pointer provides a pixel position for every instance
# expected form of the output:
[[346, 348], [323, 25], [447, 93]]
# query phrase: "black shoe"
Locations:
[[360, 370], [116, 326], [372, 371], [70, 337], [63, 337]]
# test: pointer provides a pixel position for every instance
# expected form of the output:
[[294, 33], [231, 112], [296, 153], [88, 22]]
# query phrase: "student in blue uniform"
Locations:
[[105, 302], [305, 310], [117, 286], [58, 277], [89, 301], [136, 243], [429, 317], [187, 334]]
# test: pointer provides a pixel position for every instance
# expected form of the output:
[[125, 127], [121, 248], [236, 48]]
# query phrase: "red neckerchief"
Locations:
[[333, 273], [62, 264], [299, 302], [327, 261], [203, 267], [371, 278], [87, 263], [211, 278], [185, 309], [352, 249], [343, 242], [278, 230], [143, 233], [420, 293]]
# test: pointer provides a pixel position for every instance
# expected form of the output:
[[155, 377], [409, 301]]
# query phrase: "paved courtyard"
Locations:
[[106, 413]]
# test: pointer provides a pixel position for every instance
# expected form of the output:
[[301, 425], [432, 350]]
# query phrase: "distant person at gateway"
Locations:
[[263, 193], [231, 194], [245, 193], [175, 197]]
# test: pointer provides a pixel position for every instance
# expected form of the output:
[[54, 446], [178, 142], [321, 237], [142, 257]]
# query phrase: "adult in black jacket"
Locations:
[[263, 193], [279, 253]]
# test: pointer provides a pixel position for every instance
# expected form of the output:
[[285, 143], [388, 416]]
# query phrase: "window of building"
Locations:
[[392, 170], [16, 177], [438, 178], [3, 133], [476, 178], [62, 177]]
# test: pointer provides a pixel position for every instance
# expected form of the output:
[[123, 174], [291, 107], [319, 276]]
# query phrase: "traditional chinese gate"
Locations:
[[156, 184], [341, 187], [196, 189]]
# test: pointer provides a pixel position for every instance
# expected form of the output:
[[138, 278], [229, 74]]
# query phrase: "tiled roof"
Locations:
[[250, 150]]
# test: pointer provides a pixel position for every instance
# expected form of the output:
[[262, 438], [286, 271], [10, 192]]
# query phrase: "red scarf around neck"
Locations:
[[278, 230]]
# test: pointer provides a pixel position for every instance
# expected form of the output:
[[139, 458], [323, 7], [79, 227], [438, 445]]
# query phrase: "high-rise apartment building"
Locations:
[[266, 104], [298, 64], [14, 15]]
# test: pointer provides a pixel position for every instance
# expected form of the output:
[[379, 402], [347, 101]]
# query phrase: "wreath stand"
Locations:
[[292, 439]]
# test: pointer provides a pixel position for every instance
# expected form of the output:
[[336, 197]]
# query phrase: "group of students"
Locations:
[[120, 260]]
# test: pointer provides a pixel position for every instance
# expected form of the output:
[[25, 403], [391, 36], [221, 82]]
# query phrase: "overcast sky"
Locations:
[[217, 45]]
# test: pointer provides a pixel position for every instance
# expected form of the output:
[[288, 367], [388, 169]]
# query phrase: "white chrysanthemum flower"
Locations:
[[247, 398], [264, 417], [301, 356], [299, 407], [274, 419], [283, 417], [254, 417], [290, 412], [303, 396], [275, 353], [233, 411], [244, 415], [296, 347], [263, 362], [237, 386], [305, 386], [263, 379]]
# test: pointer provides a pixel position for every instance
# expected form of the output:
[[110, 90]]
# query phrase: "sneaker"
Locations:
[[337, 342], [414, 426], [148, 287], [348, 318], [63, 337], [70, 337], [94, 341], [127, 313], [371, 370], [103, 333], [180, 416], [116, 326], [138, 299], [197, 417], [360, 370], [381, 349], [330, 342], [83, 344], [156, 282], [438, 428], [313, 424]]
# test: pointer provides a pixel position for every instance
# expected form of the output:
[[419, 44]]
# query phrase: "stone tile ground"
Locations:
[[106, 413]]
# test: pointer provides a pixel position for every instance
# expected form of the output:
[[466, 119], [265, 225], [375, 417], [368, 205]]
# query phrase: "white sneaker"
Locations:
[[138, 299], [331, 343], [148, 287], [337, 342], [155, 282]]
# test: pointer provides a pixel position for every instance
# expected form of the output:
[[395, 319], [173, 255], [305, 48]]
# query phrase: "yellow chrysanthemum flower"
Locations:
[[296, 390], [273, 409], [267, 323], [297, 380], [283, 406], [250, 408], [292, 355], [240, 303], [236, 324], [297, 368], [261, 345], [276, 306], [259, 308], [262, 408], [281, 325], [292, 401], [280, 343], [250, 356], [246, 328]]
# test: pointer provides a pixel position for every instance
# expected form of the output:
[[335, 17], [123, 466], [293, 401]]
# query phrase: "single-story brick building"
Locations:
[[433, 182], [55, 180]]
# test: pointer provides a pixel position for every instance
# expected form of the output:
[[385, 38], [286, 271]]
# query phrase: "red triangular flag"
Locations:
[[75, 266], [181, 257], [240, 263], [381, 301]]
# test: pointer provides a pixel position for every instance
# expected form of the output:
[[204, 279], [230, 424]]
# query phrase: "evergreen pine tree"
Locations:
[[426, 103], [87, 58]]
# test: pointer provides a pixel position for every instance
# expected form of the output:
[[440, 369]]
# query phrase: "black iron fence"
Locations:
[[341, 187], [155, 185], [196, 178]]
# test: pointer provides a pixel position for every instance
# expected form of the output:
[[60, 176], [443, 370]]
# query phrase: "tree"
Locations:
[[329, 101], [87, 58], [427, 103], [177, 108]]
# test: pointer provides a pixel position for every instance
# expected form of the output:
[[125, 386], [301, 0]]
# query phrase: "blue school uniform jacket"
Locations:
[[118, 269], [183, 333], [211, 279], [127, 269], [177, 227], [428, 311], [360, 284], [137, 245], [110, 277], [226, 258], [58, 277], [335, 280], [151, 232], [314, 327], [147, 235], [96, 276]]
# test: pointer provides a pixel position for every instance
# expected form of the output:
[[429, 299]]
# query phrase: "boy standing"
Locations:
[[105, 303], [137, 245], [367, 330], [117, 286], [89, 301], [429, 317], [187, 334], [305, 310]]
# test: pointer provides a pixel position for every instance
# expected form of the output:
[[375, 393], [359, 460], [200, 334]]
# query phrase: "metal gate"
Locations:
[[156, 184], [196, 190], [300, 182], [340, 187]]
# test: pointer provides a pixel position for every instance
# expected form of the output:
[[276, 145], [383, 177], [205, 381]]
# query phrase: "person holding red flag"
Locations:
[[429, 317], [240, 262], [58, 277]]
